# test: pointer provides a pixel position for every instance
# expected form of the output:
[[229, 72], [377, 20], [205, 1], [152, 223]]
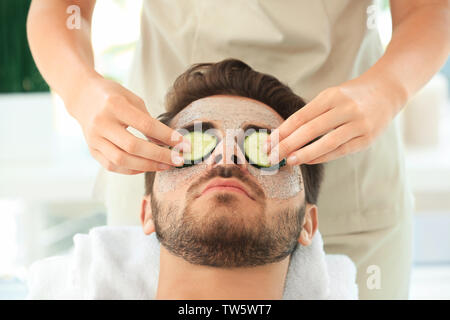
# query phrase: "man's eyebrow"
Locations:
[[204, 125], [257, 127]]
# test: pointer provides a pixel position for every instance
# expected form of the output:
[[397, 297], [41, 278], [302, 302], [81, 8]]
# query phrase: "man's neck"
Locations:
[[179, 279]]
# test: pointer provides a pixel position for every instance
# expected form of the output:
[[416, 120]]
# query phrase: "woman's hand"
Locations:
[[104, 110], [348, 118]]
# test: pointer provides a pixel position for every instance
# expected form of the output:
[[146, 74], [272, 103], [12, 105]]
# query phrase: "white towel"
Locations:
[[123, 263]]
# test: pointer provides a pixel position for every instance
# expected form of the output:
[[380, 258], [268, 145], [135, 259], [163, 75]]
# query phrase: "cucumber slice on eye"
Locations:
[[253, 151], [202, 144]]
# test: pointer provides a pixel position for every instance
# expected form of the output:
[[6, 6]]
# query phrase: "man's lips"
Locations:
[[226, 185]]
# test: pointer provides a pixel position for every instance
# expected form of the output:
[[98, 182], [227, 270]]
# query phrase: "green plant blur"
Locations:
[[18, 72]]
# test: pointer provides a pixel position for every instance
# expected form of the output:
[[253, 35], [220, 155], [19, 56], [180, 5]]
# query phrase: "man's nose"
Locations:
[[228, 152]]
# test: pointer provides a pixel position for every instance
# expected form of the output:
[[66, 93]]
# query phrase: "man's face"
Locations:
[[254, 224]]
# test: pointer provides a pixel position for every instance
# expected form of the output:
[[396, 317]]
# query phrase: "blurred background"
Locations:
[[47, 173]]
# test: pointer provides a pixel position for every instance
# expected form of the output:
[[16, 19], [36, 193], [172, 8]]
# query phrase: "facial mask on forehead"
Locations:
[[232, 114]]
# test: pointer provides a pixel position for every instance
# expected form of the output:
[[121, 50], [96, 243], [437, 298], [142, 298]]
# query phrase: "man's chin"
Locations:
[[223, 202]]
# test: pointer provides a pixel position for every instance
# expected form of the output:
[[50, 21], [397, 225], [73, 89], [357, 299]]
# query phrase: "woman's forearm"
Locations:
[[63, 55], [419, 47]]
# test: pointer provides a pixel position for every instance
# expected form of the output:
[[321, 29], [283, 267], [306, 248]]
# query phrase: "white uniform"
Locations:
[[365, 203]]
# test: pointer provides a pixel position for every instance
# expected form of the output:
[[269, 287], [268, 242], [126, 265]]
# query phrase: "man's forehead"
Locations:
[[234, 110]]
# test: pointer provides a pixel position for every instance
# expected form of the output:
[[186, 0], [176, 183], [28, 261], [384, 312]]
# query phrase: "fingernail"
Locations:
[[178, 160], [177, 137], [186, 146], [163, 166], [273, 158], [265, 147], [292, 160]]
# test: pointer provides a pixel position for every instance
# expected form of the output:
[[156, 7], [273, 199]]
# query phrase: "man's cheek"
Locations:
[[285, 184], [174, 179]]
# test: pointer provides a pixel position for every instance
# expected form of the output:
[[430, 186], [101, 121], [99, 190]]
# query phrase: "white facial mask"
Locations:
[[232, 113]]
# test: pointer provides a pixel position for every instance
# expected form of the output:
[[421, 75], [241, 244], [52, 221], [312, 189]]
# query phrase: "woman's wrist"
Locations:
[[390, 86], [79, 83]]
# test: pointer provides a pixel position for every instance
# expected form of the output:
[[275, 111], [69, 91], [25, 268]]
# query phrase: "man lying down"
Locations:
[[225, 225]]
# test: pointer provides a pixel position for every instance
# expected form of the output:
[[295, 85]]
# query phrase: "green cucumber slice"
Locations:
[[202, 144], [253, 150]]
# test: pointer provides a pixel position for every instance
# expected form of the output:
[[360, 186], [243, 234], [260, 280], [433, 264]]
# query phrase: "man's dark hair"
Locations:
[[235, 78]]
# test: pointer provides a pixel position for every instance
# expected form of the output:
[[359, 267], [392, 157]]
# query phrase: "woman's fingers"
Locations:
[[133, 145], [333, 144], [118, 158], [146, 124], [310, 111], [109, 165], [309, 131], [105, 110], [352, 146]]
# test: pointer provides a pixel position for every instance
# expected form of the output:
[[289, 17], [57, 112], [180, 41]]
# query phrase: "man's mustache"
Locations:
[[230, 171]]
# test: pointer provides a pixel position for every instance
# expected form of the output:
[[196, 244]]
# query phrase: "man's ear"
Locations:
[[146, 215], [310, 225]]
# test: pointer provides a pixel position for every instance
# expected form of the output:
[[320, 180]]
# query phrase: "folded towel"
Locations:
[[123, 263]]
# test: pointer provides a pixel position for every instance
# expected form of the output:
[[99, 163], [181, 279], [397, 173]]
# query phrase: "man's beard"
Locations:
[[224, 239]]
